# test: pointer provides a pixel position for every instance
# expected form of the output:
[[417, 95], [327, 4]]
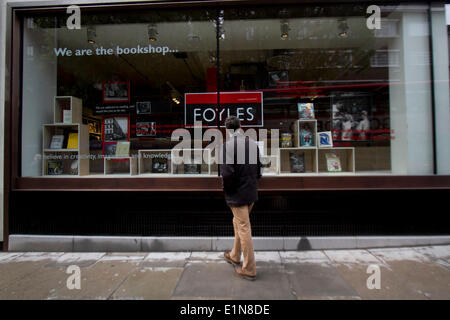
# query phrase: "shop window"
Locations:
[[325, 93]]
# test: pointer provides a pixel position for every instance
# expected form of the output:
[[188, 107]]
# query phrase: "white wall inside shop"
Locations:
[[39, 90], [2, 104], [441, 86], [410, 98]]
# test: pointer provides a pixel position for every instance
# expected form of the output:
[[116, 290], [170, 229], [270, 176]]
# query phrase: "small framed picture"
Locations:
[[143, 107], [325, 139], [116, 92]]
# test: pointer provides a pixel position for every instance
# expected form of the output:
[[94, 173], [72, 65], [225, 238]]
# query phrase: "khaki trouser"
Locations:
[[243, 239]]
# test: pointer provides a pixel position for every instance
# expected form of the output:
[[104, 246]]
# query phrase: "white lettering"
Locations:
[[73, 281], [374, 281], [74, 21], [197, 114], [374, 21]]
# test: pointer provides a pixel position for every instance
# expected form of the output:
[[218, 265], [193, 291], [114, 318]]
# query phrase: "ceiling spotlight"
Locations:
[[342, 28], [284, 26], [152, 32], [91, 34], [221, 34], [175, 95], [176, 100]]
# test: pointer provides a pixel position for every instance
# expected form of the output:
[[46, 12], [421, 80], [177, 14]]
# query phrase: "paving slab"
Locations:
[[353, 266], [38, 284], [321, 281], [15, 266], [98, 281], [205, 280], [166, 259], [413, 274], [84, 259], [315, 257], [149, 283], [272, 283], [435, 253]]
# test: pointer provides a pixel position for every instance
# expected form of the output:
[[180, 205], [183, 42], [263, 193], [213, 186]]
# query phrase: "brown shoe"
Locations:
[[244, 275], [228, 259]]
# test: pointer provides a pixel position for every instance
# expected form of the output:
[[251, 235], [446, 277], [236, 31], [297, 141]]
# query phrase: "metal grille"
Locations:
[[202, 214]]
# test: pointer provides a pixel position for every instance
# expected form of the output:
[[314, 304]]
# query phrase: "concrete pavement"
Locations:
[[402, 273]]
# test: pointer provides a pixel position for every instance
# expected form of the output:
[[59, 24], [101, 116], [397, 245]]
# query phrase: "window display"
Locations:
[[313, 94]]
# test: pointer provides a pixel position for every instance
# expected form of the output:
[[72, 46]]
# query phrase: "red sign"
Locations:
[[203, 107]]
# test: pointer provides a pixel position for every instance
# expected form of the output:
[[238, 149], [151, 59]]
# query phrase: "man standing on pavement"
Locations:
[[240, 171]]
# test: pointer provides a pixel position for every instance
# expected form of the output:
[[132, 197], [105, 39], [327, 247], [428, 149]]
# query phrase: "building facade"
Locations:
[[113, 112]]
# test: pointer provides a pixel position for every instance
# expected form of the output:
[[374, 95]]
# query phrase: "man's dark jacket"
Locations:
[[240, 170]]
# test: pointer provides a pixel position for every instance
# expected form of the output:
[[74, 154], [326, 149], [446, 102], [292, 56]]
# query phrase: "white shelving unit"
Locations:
[[196, 155], [345, 154], [114, 165], [309, 156], [146, 157], [314, 157], [66, 156], [74, 107]]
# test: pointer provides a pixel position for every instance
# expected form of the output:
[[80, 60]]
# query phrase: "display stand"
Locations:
[[272, 162], [67, 110], [312, 158], [309, 156], [115, 165], [198, 165], [71, 157], [149, 158], [346, 159], [302, 124]]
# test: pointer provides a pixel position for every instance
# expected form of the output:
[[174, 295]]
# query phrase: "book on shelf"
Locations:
[[306, 137], [297, 160], [325, 139], [286, 140], [67, 116], [192, 168], [54, 167], [72, 142], [269, 164], [160, 165], [333, 162], [57, 141], [305, 110], [123, 149], [74, 167]]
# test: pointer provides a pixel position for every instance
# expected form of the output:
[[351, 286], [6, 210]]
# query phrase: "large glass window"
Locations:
[[327, 90]]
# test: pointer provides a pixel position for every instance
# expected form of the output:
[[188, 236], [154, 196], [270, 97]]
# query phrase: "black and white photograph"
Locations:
[[350, 117], [277, 77], [143, 107], [115, 92], [115, 128], [145, 129], [109, 149]]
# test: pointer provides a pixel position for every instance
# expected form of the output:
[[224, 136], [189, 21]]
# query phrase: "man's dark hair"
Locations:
[[232, 123]]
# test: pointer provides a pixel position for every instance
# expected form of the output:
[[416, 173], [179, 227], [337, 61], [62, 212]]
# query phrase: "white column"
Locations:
[[410, 98], [441, 87]]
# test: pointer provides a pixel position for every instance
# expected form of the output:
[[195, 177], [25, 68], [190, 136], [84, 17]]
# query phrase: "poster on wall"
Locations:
[[115, 128], [202, 107], [115, 92], [350, 116]]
